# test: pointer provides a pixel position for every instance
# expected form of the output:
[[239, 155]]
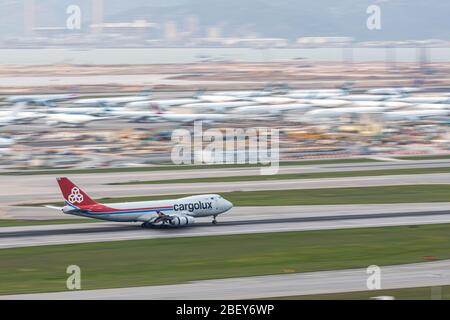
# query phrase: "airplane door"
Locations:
[[215, 203]]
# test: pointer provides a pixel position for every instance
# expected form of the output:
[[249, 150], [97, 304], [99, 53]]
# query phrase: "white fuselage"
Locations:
[[272, 109], [189, 117], [56, 118], [217, 98], [111, 101], [161, 103], [426, 99], [217, 106], [243, 94], [40, 99], [148, 211]]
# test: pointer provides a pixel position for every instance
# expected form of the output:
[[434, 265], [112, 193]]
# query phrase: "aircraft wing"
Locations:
[[148, 217], [161, 218]]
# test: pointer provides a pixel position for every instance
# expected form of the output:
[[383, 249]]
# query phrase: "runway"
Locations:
[[392, 277], [238, 221], [40, 188]]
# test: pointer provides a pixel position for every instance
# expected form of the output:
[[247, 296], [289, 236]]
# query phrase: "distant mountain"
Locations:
[[401, 19]]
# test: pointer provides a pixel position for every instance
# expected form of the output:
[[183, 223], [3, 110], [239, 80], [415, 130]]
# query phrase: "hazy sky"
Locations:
[[400, 19]]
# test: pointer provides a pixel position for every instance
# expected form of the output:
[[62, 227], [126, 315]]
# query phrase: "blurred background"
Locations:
[[358, 89], [103, 83]]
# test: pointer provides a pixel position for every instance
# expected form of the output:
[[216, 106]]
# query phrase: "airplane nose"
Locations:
[[228, 205]]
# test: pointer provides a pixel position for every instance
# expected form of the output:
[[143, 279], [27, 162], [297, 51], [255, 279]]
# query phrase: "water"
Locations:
[[190, 55]]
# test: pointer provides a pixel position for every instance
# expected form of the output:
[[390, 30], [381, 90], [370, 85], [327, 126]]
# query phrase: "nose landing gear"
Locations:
[[214, 220]]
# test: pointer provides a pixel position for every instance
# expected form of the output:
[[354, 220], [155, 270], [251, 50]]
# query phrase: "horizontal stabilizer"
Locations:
[[53, 207]]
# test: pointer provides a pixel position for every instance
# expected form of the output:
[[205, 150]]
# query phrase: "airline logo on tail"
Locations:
[[75, 196]]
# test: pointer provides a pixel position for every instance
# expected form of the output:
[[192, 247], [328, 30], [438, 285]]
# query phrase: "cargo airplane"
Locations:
[[171, 213]]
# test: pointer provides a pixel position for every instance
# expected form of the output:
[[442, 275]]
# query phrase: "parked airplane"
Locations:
[[369, 97], [93, 111], [244, 94], [135, 115], [16, 116], [171, 213], [272, 109], [273, 100], [5, 142], [217, 106], [414, 115], [109, 101], [325, 103], [385, 104], [394, 91], [71, 119], [335, 112], [431, 106], [317, 91], [314, 95], [190, 117], [216, 98], [41, 99], [426, 99], [161, 103], [157, 114]]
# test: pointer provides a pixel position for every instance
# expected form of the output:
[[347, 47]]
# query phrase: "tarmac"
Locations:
[[237, 221], [39, 188], [432, 274]]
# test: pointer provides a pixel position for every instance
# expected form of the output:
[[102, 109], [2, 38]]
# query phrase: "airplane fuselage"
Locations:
[[193, 206]]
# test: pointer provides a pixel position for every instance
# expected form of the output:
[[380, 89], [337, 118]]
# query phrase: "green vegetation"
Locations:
[[20, 223], [358, 195], [419, 293], [426, 157], [181, 167], [177, 260], [315, 175]]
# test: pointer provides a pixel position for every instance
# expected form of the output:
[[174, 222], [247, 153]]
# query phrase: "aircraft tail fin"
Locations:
[[73, 194]]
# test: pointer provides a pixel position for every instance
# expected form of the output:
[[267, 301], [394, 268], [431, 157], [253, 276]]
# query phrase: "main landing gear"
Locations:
[[214, 220]]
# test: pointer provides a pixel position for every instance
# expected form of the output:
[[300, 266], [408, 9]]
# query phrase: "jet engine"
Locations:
[[181, 221]]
